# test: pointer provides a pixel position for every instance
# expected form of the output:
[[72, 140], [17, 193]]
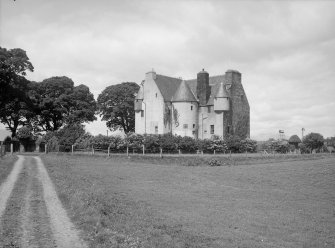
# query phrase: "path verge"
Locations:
[[65, 233], [7, 187]]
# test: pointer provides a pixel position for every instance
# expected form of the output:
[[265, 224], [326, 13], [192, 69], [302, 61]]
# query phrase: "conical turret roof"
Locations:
[[222, 91], [183, 94], [140, 94]]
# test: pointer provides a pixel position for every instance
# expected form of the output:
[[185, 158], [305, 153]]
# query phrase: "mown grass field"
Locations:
[[120, 202], [6, 166]]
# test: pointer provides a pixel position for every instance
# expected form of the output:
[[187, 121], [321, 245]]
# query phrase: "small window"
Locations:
[[156, 129], [242, 97], [212, 129], [142, 113], [193, 132], [228, 129], [209, 109], [156, 95], [191, 107], [193, 125], [185, 126]]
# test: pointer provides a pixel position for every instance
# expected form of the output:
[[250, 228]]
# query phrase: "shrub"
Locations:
[[187, 144], [313, 141], [151, 143], [168, 142], [134, 141]]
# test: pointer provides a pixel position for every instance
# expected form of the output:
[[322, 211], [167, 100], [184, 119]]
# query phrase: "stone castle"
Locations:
[[198, 108]]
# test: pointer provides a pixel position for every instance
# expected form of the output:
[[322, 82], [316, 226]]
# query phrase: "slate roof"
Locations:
[[184, 94], [221, 92], [140, 94], [169, 85]]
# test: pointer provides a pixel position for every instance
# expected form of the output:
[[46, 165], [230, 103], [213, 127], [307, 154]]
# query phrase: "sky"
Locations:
[[285, 50]]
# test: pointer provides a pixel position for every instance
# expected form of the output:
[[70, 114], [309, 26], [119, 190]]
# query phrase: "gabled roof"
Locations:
[[183, 94], [167, 86], [140, 94]]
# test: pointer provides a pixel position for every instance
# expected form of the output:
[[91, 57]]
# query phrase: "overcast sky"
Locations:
[[285, 50]]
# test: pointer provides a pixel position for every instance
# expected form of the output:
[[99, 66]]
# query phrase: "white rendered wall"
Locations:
[[153, 106], [205, 121], [187, 116]]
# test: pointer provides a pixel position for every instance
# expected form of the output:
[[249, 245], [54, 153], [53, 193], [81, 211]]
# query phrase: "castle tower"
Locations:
[[221, 109], [203, 89], [184, 112]]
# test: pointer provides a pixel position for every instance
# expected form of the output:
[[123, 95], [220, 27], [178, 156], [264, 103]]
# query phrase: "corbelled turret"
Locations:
[[221, 99]]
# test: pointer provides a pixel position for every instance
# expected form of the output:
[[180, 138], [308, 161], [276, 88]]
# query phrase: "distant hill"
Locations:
[[3, 134]]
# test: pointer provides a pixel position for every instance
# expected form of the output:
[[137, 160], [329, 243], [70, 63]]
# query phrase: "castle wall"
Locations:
[[153, 120], [240, 110], [206, 119], [187, 121]]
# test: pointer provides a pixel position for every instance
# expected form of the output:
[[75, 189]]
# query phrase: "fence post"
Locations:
[[72, 149], [92, 150], [143, 149], [11, 149], [179, 151], [127, 151], [161, 152], [108, 151], [214, 152], [45, 148]]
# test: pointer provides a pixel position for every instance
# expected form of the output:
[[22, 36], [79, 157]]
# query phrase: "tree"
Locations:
[[13, 63], [116, 106], [313, 141], [59, 103], [14, 101], [294, 140], [16, 111]]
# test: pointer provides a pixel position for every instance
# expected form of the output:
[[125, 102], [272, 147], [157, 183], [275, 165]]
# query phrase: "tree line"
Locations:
[[56, 102]]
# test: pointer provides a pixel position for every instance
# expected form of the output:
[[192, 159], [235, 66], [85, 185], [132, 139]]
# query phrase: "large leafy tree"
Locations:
[[14, 102], [18, 110], [116, 106], [59, 102], [313, 141]]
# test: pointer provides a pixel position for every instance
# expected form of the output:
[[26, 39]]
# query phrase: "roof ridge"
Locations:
[[169, 77]]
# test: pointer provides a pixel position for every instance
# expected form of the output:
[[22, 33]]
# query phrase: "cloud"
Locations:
[[285, 50]]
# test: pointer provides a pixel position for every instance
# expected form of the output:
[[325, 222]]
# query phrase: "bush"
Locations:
[[168, 143], [152, 143], [313, 141], [187, 144]]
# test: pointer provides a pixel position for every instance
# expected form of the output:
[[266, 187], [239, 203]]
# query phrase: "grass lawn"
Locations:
[[6, 166], [124, 203]]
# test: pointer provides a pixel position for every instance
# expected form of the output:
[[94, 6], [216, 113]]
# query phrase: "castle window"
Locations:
[[156, 95], [193, 125], [142, 113], [242, 97], [228, 129], [156, 129], [212, 129], [191, 107], [209, 109], [185, 126]]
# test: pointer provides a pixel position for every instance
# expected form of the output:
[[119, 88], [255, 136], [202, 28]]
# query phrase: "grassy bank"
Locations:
[[153, 202], [6, 166]]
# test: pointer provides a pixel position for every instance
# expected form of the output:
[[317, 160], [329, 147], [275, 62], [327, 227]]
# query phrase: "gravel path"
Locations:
[[31, 214], [7, 187]]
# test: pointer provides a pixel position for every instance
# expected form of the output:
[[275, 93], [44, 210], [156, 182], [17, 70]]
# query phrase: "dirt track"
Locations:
[[31, 214]]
